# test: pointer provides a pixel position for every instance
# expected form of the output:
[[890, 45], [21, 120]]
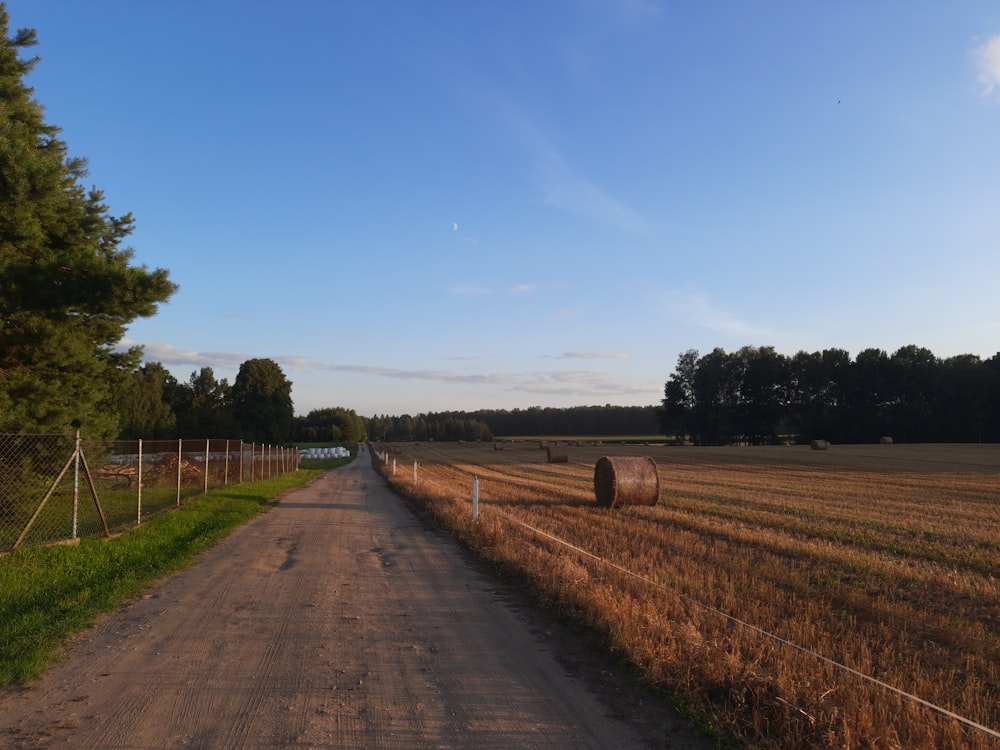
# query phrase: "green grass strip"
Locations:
[[50, 593]]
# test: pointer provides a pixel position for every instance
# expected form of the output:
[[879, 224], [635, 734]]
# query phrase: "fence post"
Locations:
[[208, 445], [138, 491], [475, 498], [76, 483], [414, 473], [180, 457], [225, 470]]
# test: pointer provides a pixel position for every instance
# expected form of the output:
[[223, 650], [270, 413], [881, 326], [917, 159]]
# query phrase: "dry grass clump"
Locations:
[[881, 558]]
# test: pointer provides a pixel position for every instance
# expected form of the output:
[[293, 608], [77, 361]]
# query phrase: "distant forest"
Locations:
[[757, 396], [537, 421]]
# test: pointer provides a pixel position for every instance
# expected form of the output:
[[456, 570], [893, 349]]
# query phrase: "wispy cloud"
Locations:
[[584, 385], [593, 355], [581, 384], [987, 60], [171, 355], [521, 288], [695, 308], [563, 188]]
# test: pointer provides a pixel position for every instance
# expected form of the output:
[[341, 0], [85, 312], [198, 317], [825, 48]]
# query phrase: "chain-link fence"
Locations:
[[59, 487]]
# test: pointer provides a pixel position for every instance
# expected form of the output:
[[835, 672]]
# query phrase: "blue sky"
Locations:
[[425, 206]]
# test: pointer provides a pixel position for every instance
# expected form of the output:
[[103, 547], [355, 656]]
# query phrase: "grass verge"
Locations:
[[50, 593]]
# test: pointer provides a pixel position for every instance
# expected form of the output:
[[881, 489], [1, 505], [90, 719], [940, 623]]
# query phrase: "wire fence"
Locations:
[[561, 549], [55, 488]]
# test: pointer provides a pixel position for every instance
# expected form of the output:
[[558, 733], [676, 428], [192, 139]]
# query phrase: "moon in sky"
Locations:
[[454, 226]]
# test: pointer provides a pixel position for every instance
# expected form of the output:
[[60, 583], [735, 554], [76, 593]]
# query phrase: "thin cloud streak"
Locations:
[[696, 308], [566, 190], [171, 355], [562, 186], [594, 355], [577, 383]]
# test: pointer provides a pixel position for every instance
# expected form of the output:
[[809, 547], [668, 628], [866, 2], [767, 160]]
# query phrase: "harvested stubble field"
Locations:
[[760, 572]]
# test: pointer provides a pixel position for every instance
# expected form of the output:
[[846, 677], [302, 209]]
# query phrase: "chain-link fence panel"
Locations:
[[34, 506], [58, 487]]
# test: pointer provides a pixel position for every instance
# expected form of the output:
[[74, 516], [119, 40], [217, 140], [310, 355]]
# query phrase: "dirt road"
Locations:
[[334, 621]]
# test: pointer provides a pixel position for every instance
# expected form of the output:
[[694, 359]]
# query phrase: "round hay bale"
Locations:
[[886, 440], [626, 480], [557, 454], [819, 445]]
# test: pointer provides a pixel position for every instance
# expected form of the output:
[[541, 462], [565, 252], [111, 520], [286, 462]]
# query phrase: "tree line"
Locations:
[[759, 396], [536, 421], [257, 407]]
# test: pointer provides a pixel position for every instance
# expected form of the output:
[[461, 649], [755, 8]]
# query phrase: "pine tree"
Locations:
[[67, 288]]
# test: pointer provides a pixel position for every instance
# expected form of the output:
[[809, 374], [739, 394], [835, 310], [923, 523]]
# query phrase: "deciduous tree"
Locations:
[[262, 402]]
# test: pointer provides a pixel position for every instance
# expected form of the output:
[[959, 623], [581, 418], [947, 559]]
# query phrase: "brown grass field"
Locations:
[[793, 598]]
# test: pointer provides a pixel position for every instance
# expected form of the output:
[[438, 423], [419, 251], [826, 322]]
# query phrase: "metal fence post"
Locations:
[[76, 483], [138, 494], [180, 457]]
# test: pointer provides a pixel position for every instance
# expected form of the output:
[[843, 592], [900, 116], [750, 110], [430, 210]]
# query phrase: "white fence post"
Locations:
[[414, 473], [475, 498], [180, 457], [138, 492]]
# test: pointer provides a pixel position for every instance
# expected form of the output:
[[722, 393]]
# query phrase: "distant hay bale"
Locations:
[[497, 447], [819, 445], [626, 480], [557, 454], [886, 440]]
